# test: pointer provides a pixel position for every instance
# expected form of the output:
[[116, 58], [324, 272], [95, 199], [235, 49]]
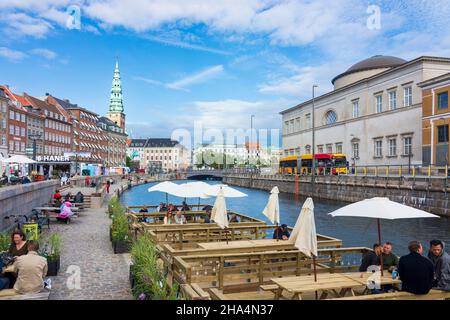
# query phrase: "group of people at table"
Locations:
[[65, 204], [179, 218], [26, 271], [419, 274]]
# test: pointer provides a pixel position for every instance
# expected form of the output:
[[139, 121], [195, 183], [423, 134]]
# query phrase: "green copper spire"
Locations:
[[116, 102]]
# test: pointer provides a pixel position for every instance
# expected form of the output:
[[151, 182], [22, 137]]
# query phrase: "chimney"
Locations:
[[47, 94], [67, 100]]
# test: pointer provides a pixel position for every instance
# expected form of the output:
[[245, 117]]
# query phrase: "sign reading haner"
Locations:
[[52, 159]]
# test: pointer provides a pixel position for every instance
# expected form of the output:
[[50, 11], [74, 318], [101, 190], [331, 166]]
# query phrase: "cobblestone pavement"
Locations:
[[86, 244]]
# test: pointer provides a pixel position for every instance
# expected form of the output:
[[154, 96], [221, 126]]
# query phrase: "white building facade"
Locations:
[[165, 154], [373, 115]]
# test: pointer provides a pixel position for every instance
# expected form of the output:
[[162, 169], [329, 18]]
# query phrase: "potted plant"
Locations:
[[146, 274], [5, 241], [52, 251], [120, 233]]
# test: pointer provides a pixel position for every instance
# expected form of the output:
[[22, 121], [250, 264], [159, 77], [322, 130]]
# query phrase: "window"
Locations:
[[17, 116], [392, 147], [297, 151], [407, 97], [22, 132], [407, 146], [378, 148], [443, 134], [11, 115], [338, 147], [297, 124], [4, 107], [4, 139], [330, 117], [11, 146], [379, 103], [320, 149], [11, 129], [308, 121], [308, 149], [18, 131], [286, 127], [355, 105], [17, 146], [291, 128], [22, 118], [443, 100], [355, 150], [329, 148], [392, 100], [22, 146]]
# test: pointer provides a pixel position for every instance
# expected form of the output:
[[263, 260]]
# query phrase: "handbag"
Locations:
[[6, 259]]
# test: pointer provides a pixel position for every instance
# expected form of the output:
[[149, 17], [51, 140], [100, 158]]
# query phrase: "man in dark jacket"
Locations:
[[282, 233], [441, 263], [370, 258], [416, 272]]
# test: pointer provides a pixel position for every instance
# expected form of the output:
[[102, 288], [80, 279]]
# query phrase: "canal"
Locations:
[[353, 231]]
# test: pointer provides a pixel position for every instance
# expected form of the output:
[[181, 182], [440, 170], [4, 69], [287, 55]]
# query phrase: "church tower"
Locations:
[[116, 110]]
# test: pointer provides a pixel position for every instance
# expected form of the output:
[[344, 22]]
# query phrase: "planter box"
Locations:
[[53, 267], [132, 279], [121, 246]]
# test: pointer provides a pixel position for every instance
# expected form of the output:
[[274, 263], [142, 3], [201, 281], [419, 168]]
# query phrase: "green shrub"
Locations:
[[150, 282], [50, 246], [5, 241], [120, 229], [112, 204]]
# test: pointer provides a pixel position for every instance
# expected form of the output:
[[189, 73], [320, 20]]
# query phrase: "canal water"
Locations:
[[353, 231]]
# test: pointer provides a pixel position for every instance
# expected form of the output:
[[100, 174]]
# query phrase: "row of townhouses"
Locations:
[[62, 134]]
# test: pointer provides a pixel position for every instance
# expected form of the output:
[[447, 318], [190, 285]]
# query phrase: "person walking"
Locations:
[[108, 185], [416, 272], [88, 181], [441, 263]]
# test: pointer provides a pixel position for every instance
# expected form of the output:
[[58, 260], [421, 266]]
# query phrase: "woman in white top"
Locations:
[[168, 219]]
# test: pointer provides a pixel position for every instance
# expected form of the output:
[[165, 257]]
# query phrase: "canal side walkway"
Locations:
[[89, 268]]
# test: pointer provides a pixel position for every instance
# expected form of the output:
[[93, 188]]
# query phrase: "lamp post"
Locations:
[[250, 139], [34, 138], [313, 142]]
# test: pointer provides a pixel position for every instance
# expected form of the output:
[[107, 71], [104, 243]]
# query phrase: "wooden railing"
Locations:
[[238, 270]]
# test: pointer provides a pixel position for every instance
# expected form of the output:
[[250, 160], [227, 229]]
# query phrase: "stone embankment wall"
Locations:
[[19, 200], [431, 195]]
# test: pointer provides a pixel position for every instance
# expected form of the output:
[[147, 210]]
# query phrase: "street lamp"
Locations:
[[313, 141], [34, 138], [250, 139]]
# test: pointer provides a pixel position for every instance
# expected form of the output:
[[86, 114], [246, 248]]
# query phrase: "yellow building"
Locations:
[[435, 120]]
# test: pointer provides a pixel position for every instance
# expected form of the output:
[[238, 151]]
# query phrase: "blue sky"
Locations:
[[214, 61]]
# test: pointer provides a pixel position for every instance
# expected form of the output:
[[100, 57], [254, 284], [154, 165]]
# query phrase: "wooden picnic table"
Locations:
[[240, 244], [338, 283], [54, 209]]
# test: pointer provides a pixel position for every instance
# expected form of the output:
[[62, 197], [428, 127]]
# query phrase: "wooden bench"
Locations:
[[217, 294], [11, 294], [402, 295], [194, 292]]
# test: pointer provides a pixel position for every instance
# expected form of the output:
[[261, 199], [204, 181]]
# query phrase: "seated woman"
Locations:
[[17, 248], [180, 218], [282, 233], [18, 245], [65, 212], [168, 219]]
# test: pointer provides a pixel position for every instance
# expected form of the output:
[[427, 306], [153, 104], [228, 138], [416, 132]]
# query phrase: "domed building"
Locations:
[[365, 69], [373, 115]]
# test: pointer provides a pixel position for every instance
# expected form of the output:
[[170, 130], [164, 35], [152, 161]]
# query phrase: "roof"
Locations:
[[375, 62], [67, 105], [153, 143], [43, 105], [109, 123], [405, 65], [436, 80]]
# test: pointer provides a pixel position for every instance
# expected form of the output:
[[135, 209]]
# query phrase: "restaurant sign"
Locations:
[[52, 159]]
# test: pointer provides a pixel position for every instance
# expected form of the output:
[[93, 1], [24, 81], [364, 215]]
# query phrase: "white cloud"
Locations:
[[184, 83], [11, 54], [45, 53], [21, 24]]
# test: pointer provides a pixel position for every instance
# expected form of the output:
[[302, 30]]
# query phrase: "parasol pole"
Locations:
[[167, 198], [277, 231], [315, 271], [379, 242]]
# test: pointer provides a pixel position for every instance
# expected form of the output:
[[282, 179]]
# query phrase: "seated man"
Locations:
[[390, 260], [370, 258], [180, 218], [234, 218], [143, 210], [416, 272], [31, 270], [79, 197], [185, 206], [281, 233], [207, 217], [441, 263]]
